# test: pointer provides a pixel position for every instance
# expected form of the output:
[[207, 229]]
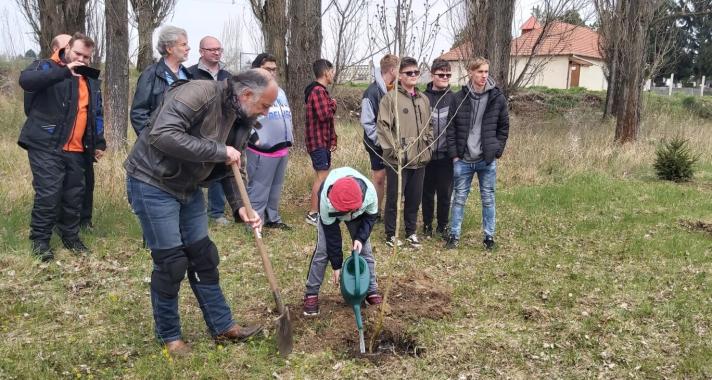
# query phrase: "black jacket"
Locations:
[[495, 125], [440, 108], [51, 97], [198, 73], [151, 86]]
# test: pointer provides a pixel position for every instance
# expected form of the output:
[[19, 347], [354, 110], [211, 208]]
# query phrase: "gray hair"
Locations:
[[256, 80], [168, 37]]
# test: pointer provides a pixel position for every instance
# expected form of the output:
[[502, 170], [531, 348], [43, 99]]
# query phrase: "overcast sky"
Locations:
[[208, 17]]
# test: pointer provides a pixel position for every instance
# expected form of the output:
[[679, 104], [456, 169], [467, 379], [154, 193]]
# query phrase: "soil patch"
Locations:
[[697, 225], [412, 299]]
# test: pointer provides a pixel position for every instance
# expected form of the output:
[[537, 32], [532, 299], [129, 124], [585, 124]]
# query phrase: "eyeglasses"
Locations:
[[443, 75], [213, 50], [413, 73]]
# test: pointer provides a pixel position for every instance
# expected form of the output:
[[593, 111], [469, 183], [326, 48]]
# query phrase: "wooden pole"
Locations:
[[672, 83]]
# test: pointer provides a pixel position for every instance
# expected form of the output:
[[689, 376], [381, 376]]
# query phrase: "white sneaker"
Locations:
[[312, 218], [413, 241]]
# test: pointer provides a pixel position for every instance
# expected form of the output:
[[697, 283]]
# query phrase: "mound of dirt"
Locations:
[[348, 100], [697, 225], [412, 299]]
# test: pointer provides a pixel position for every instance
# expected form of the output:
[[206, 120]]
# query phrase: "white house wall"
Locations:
[[592, 77], [554, 74]]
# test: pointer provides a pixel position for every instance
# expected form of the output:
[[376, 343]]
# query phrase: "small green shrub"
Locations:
[[698, 106], [674, 161]]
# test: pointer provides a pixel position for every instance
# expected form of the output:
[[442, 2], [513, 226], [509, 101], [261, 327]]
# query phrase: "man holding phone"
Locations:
[[64, 126]]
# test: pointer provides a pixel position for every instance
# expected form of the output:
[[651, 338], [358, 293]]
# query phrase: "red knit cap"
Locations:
[[345, 195]]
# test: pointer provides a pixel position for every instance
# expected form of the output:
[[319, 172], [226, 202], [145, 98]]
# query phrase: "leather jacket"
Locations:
[[184, 144]]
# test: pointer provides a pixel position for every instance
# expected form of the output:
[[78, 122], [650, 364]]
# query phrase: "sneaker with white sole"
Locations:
[[391, 241], [311, 305], [312, 218], [413, 241]]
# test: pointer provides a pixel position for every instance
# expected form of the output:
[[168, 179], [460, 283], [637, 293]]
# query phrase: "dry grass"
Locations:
[[595, 277]]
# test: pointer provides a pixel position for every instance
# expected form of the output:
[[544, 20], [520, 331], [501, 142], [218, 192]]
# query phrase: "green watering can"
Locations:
[[355, 278]]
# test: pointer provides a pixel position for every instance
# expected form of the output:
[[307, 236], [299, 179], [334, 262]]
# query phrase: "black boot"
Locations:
[[42, 250]]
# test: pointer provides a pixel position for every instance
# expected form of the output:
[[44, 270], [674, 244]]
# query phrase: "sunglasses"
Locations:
[[443, 76], [413, 73]]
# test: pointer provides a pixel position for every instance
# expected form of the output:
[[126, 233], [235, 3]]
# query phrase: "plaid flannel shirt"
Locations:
[[319, 131]]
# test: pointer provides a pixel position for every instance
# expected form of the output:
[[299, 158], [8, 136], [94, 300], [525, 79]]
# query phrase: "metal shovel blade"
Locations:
[[284, 333]]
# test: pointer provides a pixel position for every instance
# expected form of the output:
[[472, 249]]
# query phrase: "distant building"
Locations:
[[567, 56], [356, 74]]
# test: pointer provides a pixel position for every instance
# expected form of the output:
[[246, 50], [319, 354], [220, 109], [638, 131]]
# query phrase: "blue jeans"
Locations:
[[216, 200], [462, 181], [168, 224]]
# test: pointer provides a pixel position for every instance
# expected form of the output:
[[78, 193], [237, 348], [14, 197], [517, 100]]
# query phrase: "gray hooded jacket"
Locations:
[[369, 107]]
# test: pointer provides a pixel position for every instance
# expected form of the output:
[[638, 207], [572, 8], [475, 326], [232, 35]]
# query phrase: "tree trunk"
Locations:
[[274, 30], [499, 41], [145, 38], [58, 17], [638, 16], [116, 85], [489, 32], [304, 49], [477, 27]]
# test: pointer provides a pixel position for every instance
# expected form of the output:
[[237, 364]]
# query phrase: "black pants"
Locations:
[[412, 181], [88, 201], [58, 181], [438, 180]]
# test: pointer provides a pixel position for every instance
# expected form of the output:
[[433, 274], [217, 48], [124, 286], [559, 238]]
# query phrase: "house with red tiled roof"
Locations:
[[559, 55]]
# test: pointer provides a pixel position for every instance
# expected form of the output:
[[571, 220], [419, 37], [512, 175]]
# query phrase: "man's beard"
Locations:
[[242, 113]]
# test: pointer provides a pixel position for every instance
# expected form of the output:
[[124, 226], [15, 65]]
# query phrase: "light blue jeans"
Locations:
[[463, 172]]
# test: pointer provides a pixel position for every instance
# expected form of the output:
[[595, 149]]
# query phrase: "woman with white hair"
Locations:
[[155, 79]]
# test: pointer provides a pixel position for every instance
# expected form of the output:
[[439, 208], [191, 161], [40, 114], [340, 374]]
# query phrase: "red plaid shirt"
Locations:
[[319, 131]]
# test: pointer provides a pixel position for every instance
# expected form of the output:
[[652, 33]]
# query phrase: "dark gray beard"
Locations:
[[242, 113]]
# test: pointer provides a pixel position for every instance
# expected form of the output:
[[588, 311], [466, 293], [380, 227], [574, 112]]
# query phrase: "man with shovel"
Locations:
[[192, 140]]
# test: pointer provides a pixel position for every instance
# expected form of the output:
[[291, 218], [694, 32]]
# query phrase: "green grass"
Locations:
[[594, 275]]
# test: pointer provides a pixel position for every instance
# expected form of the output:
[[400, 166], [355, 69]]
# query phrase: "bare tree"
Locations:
[[230, 38], [345, 24], [96, 28], [148, 15], [402, 32], [272, 16], [8, 26], [488, 32], [48, 18], [116, 86], [624, 26], [304, 48]]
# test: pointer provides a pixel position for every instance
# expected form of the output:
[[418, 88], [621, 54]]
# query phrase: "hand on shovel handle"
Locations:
[[284, 324], [252, 219]]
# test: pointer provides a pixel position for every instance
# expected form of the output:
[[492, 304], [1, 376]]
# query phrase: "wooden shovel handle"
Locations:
[[266, 263]]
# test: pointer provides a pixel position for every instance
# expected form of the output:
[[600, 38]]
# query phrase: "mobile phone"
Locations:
[[87, 71]]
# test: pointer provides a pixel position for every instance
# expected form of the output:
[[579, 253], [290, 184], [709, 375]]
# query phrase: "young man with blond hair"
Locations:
[[476, 139], [385, 77]]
